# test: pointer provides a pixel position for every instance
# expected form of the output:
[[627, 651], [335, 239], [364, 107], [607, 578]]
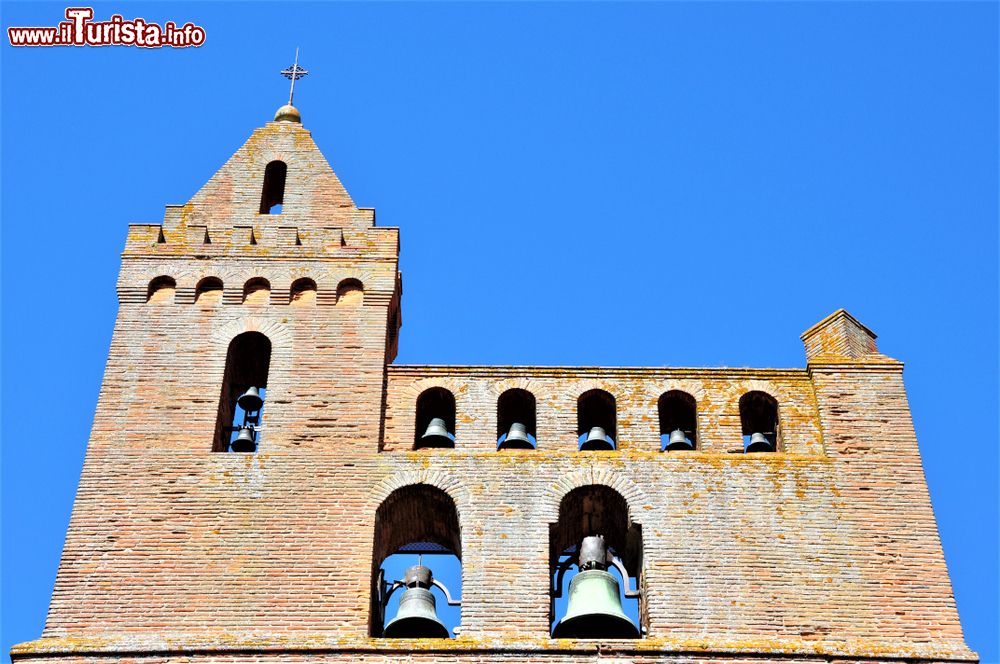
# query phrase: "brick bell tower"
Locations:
[[731, 515]]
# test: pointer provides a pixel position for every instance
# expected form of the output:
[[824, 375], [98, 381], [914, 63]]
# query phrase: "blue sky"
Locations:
[[621, 184]]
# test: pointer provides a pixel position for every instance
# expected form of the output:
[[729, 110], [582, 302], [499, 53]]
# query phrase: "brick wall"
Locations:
[[825, 551]]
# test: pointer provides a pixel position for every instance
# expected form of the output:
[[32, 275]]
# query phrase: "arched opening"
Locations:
[[161, 290], [302, 293], [208, 292], [416, 526], [256, 292], [678, 421], [759, 420], [272, 196], [350, 292], [247, 364], [596, 421], [516, 420], [435, 424], [595, 559]]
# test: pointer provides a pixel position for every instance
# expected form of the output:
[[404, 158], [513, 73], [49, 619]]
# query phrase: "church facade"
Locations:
[[256, 458]]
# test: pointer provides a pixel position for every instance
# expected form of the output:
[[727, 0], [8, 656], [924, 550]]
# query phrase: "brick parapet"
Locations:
[[269, 241]]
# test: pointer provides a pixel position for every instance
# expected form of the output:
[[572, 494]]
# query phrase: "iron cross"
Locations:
[[293, 72]]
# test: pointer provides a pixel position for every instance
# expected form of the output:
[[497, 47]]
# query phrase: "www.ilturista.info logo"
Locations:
[[80, 30]]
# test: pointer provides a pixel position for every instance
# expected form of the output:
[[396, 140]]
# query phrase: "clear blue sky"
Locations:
[[620, 184]]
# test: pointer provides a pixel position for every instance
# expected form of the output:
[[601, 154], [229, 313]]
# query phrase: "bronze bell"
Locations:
[[244, 441], [250, 400], [517, 438], [594, 610], [417, 615], [436, 435], [678, 441], [597, 441], [758, 443]]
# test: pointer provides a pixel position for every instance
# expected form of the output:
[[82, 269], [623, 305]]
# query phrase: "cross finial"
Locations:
[[294, 72]]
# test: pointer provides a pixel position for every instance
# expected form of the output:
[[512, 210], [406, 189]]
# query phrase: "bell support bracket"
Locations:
[[620, 566], [447, 595]]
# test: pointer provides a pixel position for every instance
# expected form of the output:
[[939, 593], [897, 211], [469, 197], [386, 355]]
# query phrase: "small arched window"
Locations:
[[435, 424], [596, 549], [350, 292], [516, 420], [759, 421], [247, 363], [257, 292], [272, 196], [418, 562], [678, 421], [161, 290], [302, 293], [596, 421], [208, 292]]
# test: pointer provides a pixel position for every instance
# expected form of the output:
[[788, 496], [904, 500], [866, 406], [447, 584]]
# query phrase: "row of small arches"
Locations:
[[256, 291], [596, 420]]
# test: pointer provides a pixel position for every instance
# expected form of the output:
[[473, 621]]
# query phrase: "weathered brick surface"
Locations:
[[824, 551]]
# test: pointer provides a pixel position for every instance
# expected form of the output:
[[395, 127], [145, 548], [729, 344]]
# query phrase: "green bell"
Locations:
[[595, 609]]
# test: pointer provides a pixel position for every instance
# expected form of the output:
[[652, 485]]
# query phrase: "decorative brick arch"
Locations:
[[413, 390], [733, 390], [584, 386], [182, 276], [434, 478], [695, 388], [519, 383], [278, 333], [368, 280], [634, 496]]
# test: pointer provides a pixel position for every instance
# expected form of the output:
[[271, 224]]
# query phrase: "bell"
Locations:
[[594, 610], [758, 443], [678, 441], [244, 442], [417, 615], [436, 435], [250, 400], [597, 440], [517, 438]]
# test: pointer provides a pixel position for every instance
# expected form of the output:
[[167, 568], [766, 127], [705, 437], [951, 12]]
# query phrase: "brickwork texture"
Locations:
[[825, 550]]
